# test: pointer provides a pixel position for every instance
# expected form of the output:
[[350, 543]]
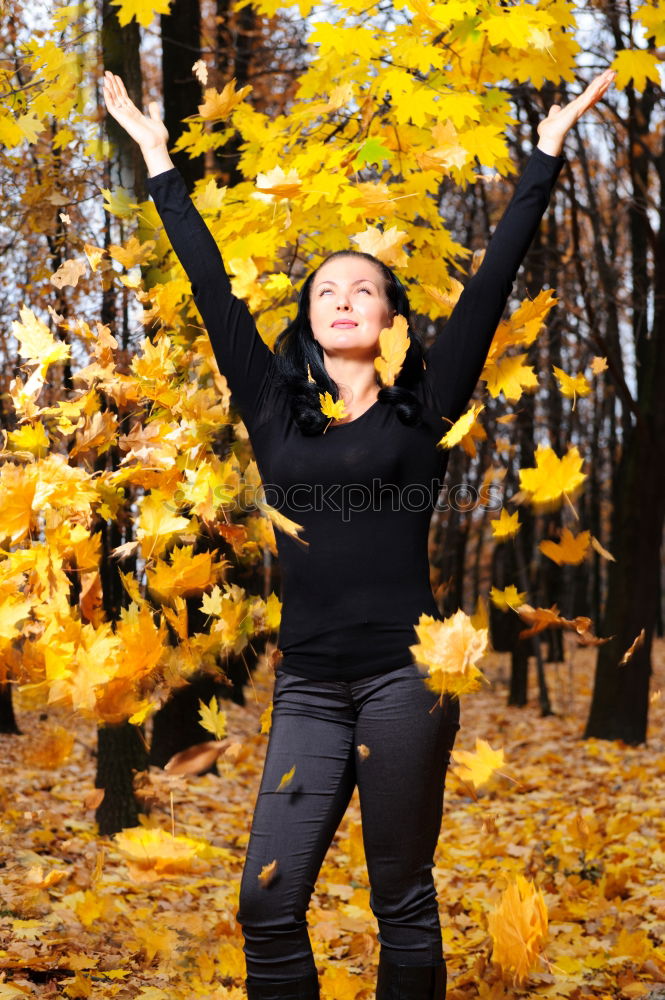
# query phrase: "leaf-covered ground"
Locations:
[[585, 821]]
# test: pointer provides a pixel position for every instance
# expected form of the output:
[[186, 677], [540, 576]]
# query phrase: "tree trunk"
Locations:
[[181, 48], [121, 752], [619, 708], [8, 723]]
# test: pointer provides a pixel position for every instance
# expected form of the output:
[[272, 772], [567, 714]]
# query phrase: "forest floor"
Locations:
[[585, 820]]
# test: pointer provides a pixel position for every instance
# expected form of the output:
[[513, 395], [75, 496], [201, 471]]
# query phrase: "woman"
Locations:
[[349, 703]]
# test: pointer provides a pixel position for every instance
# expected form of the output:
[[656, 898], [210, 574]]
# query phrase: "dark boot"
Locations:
[[410, 982], [305, 988]]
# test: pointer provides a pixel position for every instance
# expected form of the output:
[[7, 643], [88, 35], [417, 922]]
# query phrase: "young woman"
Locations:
[[350, 705]]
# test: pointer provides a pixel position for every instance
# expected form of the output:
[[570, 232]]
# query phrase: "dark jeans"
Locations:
[[318, 726]]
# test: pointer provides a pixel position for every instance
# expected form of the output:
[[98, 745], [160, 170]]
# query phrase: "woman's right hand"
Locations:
[[149, 132]]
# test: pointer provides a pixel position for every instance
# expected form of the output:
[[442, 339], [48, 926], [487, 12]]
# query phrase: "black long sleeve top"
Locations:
[[366, 489]]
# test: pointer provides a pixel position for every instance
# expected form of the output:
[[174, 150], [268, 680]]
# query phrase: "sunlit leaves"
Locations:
[[477, 767], [506, 526], [143, 10], [518, 926], [552, 478], [393, 345], [213, 718], [336, 410], [450, 650], [218, 104], [636, 66]]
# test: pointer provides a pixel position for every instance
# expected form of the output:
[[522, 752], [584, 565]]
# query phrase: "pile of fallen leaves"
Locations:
[[549, 868]]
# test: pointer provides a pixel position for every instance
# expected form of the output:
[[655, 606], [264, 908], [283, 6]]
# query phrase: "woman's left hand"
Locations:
[[552, 130]]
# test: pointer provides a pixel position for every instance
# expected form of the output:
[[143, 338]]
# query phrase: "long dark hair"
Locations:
[[296, 348]]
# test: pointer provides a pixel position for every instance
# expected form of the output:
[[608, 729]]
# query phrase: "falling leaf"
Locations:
[[505, 526], [598, 365], [462, 426], [479, 766], [570, 549], [69, 273], [552, 476], [330, 408], [267, 873], [636, 65], [143, 10], [363, 751], [279, 183], [213, 718], [393, 344], [217, 105], [386, 246], [636, 643], [449, 650], [200, 71], [286, 779], [507, 598], [518, 926], [572, 385], [196, 759], [600, 550]]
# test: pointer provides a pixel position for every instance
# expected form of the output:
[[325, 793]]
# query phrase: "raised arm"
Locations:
[[457, 356], [242, 356]]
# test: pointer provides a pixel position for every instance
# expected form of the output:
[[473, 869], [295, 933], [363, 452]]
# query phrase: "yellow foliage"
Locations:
[[449, 650], [518, 927], [394, 344]]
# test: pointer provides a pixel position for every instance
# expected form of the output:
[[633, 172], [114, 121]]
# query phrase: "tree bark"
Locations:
[[181, 48], [121, 752]]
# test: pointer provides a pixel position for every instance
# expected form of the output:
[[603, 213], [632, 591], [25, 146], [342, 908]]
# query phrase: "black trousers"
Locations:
[[318, 726]]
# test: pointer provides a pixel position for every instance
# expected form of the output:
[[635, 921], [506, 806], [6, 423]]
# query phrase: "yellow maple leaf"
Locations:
[[152, 854], [570, 549], [218, 104], [507, 598], [552, 477], [157, 525], [449, 651], [394, 344], [36, 342], [462, 426], [187, 575], [213, 718], [279, 183], [143, 10], [330, 408], [94, 255], [386, 246], [651, 16], [133, 253], [509, 375], [637, 65], [572, 385], [518, 926], [17, 494], [479, 766], [266, 719], [505, 526], [598, 365]]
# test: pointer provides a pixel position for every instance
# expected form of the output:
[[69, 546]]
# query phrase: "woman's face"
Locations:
[[349, 307]]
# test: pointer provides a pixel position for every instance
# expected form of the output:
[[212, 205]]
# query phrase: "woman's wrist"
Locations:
[[550, 145], [157, 159]]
